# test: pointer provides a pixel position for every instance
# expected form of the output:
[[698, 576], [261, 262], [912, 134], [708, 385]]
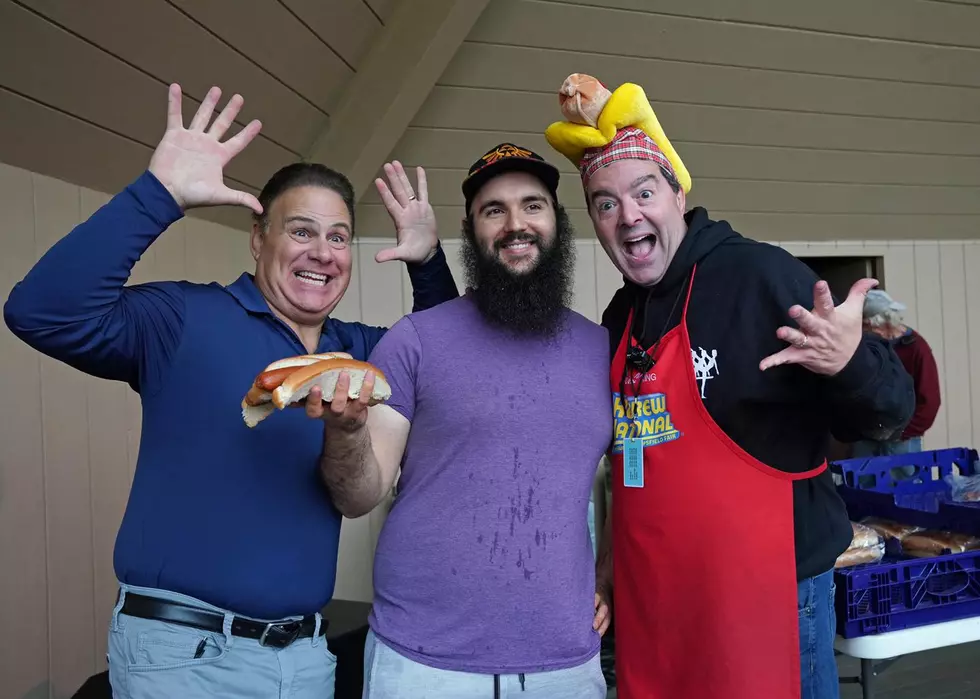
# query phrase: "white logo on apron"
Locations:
[[705, 366]]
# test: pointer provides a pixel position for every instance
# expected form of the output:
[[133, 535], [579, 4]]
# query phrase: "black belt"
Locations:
[[276, 634]]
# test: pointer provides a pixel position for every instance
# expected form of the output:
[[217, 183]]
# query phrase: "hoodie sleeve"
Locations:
[[615, 316], [872, 397]]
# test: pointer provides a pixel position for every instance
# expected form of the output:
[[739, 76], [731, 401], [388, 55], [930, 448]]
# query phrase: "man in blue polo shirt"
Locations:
[[228, 547]]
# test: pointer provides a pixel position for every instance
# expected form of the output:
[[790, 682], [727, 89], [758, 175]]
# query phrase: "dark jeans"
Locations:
[[818, 628]]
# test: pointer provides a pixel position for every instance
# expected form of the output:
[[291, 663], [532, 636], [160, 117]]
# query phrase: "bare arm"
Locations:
[[362, 445], [359, 466]]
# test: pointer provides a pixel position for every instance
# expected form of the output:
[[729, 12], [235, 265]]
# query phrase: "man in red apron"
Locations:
[[725, 521]]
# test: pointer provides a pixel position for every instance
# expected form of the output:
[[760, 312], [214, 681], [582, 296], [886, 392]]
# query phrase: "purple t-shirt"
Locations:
[[485, 562]]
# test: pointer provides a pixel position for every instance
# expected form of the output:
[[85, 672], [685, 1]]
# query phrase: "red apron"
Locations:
[[704, 581]]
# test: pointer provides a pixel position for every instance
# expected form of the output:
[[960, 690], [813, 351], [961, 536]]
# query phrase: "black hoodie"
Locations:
[[784, 417]]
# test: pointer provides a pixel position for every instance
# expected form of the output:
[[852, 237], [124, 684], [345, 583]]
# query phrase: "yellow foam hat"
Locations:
[[594, 115]]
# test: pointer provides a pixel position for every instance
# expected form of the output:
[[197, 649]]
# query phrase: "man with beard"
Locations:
[[499, 415], [725, 521]]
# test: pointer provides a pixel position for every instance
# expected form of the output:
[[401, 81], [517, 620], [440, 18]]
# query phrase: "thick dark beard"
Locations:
[[532, 303]]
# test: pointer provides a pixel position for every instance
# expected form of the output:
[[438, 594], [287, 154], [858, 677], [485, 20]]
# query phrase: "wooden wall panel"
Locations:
[[67, 475], [572, 27], [584, 299], [25, 658], [308, 67], [971, 261], [458, 148], [929, 295], [382, 8], [940, 22], [110, 474], [346, 26], [146, 33], [501, 110], [55, 144], [956, 358], [506, 67], [899, 278], [130, 103]]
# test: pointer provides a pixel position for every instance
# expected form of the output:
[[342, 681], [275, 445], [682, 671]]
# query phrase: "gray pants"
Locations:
[[151, 659], [390, 675]]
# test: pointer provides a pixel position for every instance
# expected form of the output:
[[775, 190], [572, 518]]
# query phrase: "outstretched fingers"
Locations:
[[236, 144], [823, 300], [204, 112], [175, 118], [236, 197], [790, 355], [423, 183], [226, 117]]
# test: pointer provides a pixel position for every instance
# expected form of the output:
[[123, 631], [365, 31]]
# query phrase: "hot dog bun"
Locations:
[[254, 414], [325, 374], [257, 403]]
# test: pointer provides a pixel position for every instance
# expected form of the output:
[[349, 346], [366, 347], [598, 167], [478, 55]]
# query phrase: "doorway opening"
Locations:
[[841, 272]]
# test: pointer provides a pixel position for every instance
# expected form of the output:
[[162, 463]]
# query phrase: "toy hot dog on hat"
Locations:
[[602, 127], [290, 380]]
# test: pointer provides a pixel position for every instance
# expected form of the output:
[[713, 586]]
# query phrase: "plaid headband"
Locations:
[[629, 143]]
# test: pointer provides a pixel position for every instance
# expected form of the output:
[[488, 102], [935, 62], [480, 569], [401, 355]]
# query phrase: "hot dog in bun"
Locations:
[[290, 380]]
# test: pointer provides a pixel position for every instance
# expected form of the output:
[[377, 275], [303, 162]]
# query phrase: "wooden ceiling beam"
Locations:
[[408, 57]]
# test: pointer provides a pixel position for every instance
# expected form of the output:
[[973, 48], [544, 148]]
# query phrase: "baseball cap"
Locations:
[[878, 301], [508, 157]]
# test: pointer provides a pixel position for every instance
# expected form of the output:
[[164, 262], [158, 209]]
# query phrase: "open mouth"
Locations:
[[641, 246], [518, 244], [312, 278]]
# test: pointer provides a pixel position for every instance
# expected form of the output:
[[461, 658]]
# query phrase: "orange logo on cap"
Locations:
[[505, 152]]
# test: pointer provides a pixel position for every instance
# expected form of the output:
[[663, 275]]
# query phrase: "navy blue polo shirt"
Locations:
[[234, 516]]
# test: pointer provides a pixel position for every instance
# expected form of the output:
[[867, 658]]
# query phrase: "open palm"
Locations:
[[190, 161], [415, 222]]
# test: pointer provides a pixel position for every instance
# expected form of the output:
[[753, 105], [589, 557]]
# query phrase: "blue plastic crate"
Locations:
[[900, 593], [915, 480], [889, 596]]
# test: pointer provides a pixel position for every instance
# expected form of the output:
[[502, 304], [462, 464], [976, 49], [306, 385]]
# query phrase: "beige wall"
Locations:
[[68, 442]]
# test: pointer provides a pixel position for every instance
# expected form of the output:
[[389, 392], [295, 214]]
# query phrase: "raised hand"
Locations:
[[190, 162], [415, 222], [826, 338]]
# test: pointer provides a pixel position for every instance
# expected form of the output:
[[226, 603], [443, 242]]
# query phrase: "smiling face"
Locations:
[[638, 218], [514, 220], [303, 255]]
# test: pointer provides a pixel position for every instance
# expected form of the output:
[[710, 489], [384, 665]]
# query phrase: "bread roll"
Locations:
[[857, 556], [890, 529], [582, 98], [863, 536], [325, 374], [934, 543], [257, 404], [254, 414]]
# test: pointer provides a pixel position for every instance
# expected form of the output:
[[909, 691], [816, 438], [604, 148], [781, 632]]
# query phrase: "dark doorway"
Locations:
[[842, 272]]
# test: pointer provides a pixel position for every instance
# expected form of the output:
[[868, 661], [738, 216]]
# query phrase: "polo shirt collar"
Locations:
[[251, 299]]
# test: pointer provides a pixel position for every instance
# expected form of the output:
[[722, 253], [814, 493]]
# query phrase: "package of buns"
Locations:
[[890, 529], [964, 488], [867, 546], [933, 542]]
